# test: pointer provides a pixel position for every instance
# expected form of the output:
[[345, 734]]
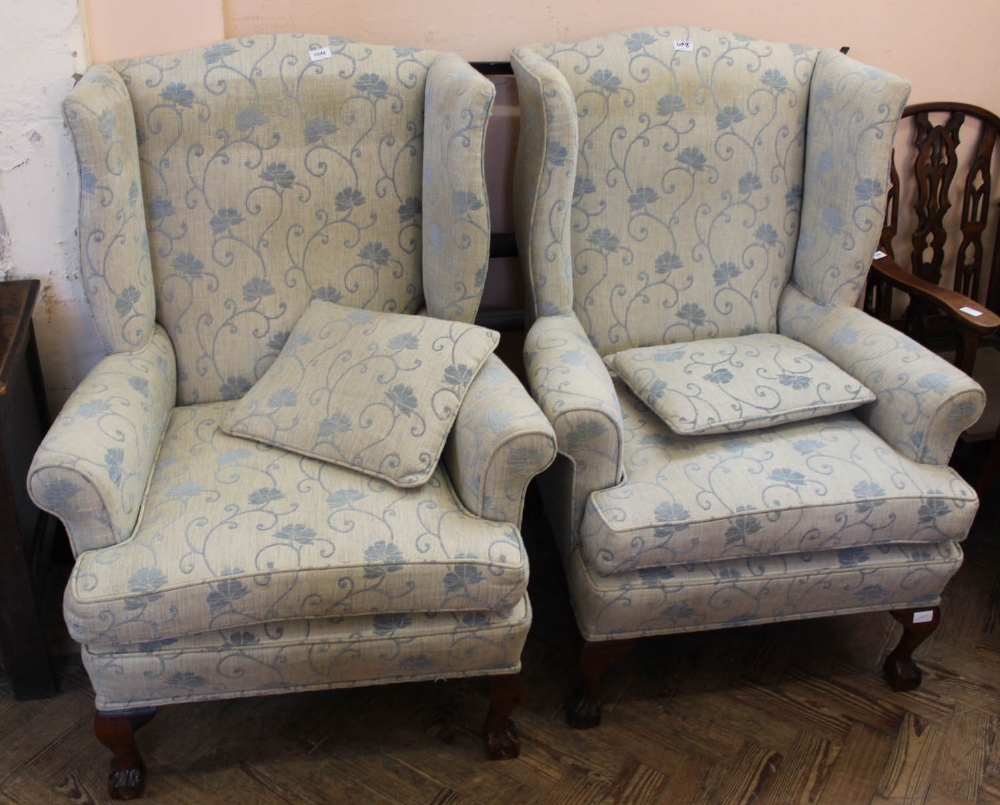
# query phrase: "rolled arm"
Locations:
[[500, 441], [455, 213], [571, 384], [545, 171], [923, 402], [92, 467]]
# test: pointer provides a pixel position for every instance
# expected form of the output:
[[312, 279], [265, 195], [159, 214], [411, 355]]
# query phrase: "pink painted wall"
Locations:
[[947, 52]]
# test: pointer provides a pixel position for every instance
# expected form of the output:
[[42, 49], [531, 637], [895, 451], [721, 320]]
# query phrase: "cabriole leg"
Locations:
[[506, 693], [584, 707], [116, 730], [901, 672]]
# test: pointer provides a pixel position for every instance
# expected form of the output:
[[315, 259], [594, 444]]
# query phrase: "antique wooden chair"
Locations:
[[284, 241], [697, 213], [942, 222]]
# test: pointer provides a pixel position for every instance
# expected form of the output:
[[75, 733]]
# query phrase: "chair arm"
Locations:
[[455, 212], [500, 441], [957, 306], [92, 467], [568, 378], [544, 176], [923, 402]]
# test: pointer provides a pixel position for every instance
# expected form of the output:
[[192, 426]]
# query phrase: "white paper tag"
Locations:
[[684, 44], [926, 616], [971, 311], [319, 54], [879, 254]]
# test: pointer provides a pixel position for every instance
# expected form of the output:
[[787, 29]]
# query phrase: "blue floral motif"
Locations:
[[403, 398], [348, 198], [372, 84], [932, 509], [390, 623], [668, 104], [868, 189], [113, 459], [775, 80], [725, 272], [784, 475], [178, 94], [187, 263], [318, 128], [235, 387], [641, 197], [719, 376], [344, 497], [381, 558], [298, 533], [667, 262], [605, 80], [283, 398], [556, 154], [639, 40], [462, 202], [217, 52], [160, 208], [337, 422], [693, 158], [257, 288], [458, 375], [749, 182], [462, 576], [410, 210], [264, 495], [852, 557], [225, 593], [127, 299], [766, 234], [226, 218], [375, 252], [798, 382], [693, 313], [250, 118], [727, 116], [604, 240], [279, 174]]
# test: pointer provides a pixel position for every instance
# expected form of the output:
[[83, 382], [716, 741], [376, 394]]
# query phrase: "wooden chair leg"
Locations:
[[901, 672], [584, 706], [116, 730], [506, 693]]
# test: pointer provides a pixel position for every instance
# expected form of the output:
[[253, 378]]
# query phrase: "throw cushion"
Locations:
[[376, 392], [729, 384]]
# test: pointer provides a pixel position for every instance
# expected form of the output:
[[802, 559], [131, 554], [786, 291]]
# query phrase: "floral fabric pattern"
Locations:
[[374, 392], [803, 487], [708, 215], [309, 654], [236, 533], [114, 246], [270, 180], [736, 384], [223, 190], [92, 466]]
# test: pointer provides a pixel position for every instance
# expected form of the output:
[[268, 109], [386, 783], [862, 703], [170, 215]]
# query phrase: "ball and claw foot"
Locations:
[[901, 672], [505, 744], [583, 712]]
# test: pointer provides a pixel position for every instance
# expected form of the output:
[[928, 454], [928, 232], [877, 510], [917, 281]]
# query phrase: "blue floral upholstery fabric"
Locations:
[[724, 385], [223, 190], [309, 654], [373, 392], [676, 201], [92, 466], [235, 533], [270, 179]]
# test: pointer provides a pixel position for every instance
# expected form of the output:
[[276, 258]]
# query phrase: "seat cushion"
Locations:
[[723, 385], [235, 533], [825, 484], [374, 392], [309, 654]]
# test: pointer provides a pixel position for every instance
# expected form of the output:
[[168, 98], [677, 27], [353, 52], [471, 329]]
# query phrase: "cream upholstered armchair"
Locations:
[[738, 443], [250, 478]]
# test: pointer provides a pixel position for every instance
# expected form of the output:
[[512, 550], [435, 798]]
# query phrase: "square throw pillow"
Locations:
[[375, 392], [749, 382]]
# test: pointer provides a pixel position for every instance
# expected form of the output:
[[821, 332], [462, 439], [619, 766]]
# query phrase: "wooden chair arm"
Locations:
[[949, 302]]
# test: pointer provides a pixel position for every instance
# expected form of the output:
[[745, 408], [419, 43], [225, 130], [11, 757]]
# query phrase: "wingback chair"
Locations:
[[320, 205], [738, 443]]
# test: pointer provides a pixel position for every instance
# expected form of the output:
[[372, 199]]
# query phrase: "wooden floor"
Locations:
[[777, 714]]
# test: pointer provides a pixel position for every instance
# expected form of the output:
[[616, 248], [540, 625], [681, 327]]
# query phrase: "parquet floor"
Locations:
[[778, 714]]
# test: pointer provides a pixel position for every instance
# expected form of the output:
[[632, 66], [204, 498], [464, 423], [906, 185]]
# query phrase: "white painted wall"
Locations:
[[43, 46]]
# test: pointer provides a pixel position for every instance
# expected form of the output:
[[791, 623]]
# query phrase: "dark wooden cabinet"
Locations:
[[25, 532]]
